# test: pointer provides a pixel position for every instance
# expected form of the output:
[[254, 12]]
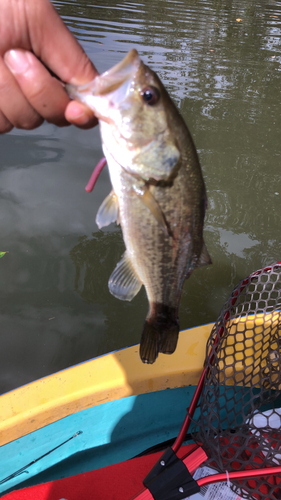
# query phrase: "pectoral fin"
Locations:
[[124, 283], [149, 201], [108, 211]]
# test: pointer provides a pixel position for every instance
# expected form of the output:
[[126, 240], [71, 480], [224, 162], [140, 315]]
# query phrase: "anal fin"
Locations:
[[123, 283], [108, 211]]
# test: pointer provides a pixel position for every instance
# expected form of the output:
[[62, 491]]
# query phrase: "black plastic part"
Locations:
[[170, 479], [162, 446]]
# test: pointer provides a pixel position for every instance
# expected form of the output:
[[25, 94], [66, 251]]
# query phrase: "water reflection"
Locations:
[[220, 60], [92, 258], [34, 149]]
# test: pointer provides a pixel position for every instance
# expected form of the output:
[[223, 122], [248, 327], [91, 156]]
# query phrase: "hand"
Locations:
[[34, 43]]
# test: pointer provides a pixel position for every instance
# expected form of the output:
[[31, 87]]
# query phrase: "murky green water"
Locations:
[[220, 61]]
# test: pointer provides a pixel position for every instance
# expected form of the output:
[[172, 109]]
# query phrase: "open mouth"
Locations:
[[118, 77]]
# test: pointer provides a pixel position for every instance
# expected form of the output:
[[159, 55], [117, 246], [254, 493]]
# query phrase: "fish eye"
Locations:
[[150, 95]]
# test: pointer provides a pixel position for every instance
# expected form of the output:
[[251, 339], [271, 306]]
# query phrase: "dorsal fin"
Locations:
[[204, 259]]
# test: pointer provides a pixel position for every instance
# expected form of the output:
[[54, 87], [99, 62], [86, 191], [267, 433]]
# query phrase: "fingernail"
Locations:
[[17, 61], [76, 110], [77, 113]]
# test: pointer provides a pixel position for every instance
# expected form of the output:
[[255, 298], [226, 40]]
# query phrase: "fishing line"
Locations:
[[23, 469]]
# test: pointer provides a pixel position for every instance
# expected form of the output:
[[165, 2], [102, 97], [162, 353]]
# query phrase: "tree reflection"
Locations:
[[94, 261]]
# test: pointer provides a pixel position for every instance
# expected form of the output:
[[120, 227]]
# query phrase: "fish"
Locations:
[[158, 193]]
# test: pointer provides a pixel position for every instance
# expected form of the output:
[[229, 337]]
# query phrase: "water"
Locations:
[[220, 61]]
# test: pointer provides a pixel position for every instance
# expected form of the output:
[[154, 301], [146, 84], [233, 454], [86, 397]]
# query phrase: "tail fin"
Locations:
[[160, 333]]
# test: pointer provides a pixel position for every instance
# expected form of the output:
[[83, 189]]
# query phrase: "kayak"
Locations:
[[114, 428], [85, 419]]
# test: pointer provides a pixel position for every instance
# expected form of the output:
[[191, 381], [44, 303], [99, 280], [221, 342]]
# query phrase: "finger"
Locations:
[[53, 43], [5, 125], [14, 107], [44, 93], [80, 115]]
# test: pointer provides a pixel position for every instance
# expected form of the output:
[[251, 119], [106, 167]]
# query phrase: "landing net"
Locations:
[[239, 419]]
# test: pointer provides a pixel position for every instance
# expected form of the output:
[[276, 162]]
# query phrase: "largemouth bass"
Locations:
[[158, 194]]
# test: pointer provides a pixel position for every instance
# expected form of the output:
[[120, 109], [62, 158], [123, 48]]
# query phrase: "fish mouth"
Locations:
[[119, 76]]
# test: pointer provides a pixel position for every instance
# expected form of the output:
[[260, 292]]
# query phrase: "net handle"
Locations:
[[246, 474]]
